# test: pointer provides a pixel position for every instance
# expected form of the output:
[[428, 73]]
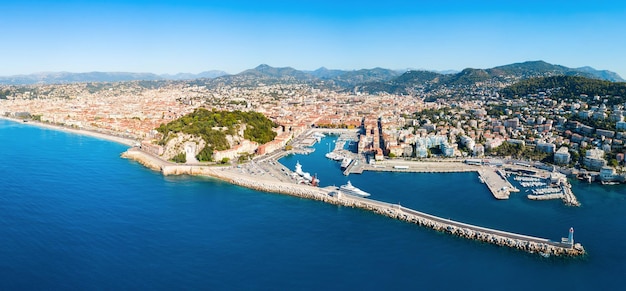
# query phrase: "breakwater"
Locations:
[[501, 238], [329, 195]]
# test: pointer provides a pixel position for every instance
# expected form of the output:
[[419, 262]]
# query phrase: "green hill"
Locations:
[[568, 87], [213, 127], [469, 77]]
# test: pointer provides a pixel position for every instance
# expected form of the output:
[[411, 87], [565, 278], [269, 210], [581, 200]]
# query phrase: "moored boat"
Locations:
[[351, 190]]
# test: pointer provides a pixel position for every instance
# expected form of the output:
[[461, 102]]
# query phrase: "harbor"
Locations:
[[270, 176], [495, 181], [494, 175]]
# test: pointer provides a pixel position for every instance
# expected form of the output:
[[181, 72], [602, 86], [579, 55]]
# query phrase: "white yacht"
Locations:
[[351, 190]]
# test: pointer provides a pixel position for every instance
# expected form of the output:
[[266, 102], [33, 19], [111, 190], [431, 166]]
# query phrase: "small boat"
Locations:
[[609, 183]]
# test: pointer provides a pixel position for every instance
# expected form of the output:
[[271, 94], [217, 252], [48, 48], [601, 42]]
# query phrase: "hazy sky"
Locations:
[[231, 35]]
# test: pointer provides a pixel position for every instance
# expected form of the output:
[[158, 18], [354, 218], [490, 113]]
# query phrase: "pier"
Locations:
[[499, 186], [355, 167], [527, 243]]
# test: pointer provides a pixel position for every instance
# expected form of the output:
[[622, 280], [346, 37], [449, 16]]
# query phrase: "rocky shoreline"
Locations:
[[533, 245]]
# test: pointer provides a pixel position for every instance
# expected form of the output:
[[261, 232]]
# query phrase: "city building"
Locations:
[[545, 147], [594, 159], [607, 174], [562, 156]]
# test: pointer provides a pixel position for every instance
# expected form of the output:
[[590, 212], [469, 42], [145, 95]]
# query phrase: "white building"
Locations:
[[607, 174], [423, 144], [562, 156], [594, 159], [468, 142]]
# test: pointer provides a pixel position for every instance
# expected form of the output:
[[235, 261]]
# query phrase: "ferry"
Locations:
[[351, 190]]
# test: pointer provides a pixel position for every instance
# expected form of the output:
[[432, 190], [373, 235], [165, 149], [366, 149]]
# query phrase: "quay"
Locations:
[[498, 185], [259, 180]]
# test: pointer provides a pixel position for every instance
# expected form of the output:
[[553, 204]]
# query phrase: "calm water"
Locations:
[[73, 215]]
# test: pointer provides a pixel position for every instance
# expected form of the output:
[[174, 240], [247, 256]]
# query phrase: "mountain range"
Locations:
[[66, 77], [364, 80], [506, 74]]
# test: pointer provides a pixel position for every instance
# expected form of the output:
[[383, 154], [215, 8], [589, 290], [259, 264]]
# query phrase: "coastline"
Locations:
[[529, 244], [99, 135], [329, 195]]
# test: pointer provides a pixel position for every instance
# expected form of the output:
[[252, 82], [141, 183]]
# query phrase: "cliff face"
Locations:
[[192, 145], [183, 143], [202, 133]]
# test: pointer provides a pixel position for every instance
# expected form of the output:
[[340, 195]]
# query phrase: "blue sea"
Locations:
[[74, 215]]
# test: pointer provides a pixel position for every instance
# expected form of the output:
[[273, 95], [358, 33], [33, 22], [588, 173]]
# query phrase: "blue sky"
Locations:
[[193, 36]]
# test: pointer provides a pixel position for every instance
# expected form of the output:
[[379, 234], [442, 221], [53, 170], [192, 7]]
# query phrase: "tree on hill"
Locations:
[[568, 87], [213, 127]]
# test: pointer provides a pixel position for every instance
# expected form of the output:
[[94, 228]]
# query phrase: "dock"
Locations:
[[499, 186], [355, 167]]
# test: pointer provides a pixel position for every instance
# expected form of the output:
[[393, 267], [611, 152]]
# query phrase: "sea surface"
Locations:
[[74, 215]]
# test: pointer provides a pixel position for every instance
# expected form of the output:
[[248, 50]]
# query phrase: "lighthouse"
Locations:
[[570, 237]]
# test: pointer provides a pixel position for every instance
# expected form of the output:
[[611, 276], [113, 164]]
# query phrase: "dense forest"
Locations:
[[213, 126], [570, 87]]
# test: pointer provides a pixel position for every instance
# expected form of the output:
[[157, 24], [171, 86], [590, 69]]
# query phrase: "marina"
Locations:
[[267, 177], [493, 174], [498, 185]]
